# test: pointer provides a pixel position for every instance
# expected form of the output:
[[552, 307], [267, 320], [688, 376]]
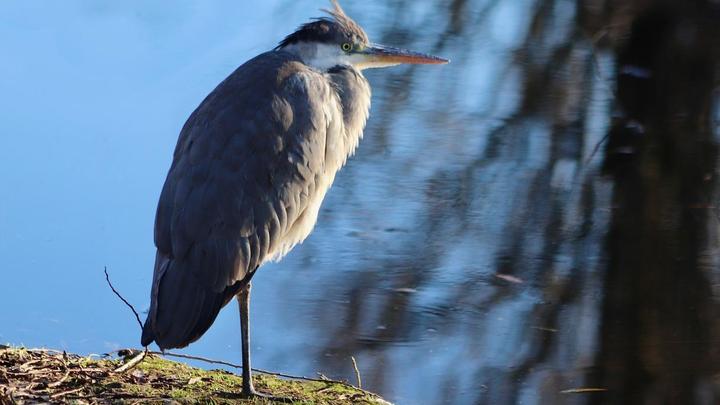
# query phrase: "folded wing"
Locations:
[[248, 164]]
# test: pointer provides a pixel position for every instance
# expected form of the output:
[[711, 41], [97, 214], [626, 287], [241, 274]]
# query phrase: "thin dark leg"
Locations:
[[243, 298], [248, 390]]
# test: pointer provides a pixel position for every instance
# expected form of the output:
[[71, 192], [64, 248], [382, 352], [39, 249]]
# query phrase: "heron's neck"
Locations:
[[354, 94]]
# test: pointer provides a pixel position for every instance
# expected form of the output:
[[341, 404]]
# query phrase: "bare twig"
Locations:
[[62, 394], [357, 372], [323, 378], [188, 356], [225, 363], [295, 377], [61, 380], [107, 278], [26, 366], [132, 362], [139, 357], [67, 371]]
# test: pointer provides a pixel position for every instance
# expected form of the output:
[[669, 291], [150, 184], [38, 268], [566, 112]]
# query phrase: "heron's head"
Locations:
[[339, 41]]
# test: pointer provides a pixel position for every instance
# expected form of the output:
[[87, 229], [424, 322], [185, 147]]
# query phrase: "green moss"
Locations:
[[41, 375]]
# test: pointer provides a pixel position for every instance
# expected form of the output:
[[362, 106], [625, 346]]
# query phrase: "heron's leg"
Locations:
[[243, 298], [248, 390]]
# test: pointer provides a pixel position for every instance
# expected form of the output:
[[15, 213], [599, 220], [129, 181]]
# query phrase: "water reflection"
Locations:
[[502, 287], [657, 329], [485, 246]]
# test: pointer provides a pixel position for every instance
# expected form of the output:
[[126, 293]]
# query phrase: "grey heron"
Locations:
[[251, 167]]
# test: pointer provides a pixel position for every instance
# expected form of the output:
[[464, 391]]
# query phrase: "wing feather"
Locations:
[[244, 169]]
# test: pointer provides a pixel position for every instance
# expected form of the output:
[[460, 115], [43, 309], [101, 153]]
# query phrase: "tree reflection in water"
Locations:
[[490, 255]]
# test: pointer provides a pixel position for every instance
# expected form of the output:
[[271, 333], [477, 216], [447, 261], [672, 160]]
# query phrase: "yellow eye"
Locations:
[[347, 47]]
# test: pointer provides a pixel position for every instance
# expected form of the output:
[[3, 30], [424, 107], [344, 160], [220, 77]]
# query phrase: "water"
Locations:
[[538, 216]]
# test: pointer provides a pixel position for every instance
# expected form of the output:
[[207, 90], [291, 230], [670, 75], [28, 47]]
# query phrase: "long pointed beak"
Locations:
[[382, 55]]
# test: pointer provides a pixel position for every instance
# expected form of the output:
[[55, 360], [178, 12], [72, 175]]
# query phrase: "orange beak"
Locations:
[[382, 54]]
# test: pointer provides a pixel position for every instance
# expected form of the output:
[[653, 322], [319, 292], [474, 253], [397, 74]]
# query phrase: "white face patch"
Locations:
[[325, 56], [319, 56]]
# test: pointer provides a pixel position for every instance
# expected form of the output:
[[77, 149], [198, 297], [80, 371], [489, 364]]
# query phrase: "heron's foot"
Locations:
[[252, 393]]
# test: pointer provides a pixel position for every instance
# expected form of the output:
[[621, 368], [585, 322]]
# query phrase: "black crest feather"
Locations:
[[336, 29]]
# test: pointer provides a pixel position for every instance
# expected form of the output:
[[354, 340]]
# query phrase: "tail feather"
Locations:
[[182, 308], [147, 333]]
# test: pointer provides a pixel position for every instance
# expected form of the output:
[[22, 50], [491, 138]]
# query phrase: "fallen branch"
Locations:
[[133, 362]]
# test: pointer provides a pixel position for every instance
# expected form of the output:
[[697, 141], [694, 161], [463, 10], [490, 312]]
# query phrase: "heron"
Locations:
[[250, 170]]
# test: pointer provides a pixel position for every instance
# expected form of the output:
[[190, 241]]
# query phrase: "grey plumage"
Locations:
[[250, 170], [246, 184]]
